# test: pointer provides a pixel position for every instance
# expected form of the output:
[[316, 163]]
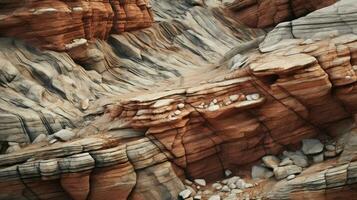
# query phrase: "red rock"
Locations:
[[64, 25], [268, 13]]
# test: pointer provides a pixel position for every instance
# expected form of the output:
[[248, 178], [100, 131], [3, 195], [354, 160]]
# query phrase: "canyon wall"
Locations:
[[268, 13], [61, 25], [191, 96]]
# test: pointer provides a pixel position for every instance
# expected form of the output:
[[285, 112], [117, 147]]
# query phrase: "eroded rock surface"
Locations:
[[268, 13], [65, 25], [154, 107]]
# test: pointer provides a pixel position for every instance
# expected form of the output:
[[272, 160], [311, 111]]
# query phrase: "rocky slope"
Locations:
[[194, 96]]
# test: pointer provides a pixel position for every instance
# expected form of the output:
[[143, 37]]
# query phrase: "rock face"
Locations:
[[63, 25], [268, 13], [154, 107]]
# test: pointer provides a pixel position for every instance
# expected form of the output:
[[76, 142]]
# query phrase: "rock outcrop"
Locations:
[[268, 13], [194, 96], [64, 25]]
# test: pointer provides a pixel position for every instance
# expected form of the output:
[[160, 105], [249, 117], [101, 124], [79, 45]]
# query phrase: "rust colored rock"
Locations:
[[268, 13], [131, 15], [77, 185], [64, 25], [116, 181]]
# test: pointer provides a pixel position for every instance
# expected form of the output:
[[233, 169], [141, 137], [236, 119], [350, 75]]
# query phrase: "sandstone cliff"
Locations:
[[189, 97], [65, 24]]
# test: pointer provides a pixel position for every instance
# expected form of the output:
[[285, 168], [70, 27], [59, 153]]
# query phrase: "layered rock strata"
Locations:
[[64, 25], [268, 13], [145, 121]]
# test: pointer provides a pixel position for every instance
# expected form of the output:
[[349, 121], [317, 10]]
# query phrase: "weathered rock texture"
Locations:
[[63, 25], [155, 106], [268, 13]]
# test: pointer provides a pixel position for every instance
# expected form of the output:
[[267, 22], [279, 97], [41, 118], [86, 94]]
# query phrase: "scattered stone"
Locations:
[[298, 158], [330, 154], [188, 182], [85, 104], [197, 197], [225, 188], [330, 147], [13, 147], [248, 185], [232, 186], [207, 192], [312, 146], [162, 102], [290, 177], [271, 161], [255, 96], [40, 138], [249, 97], [193, 192], [52, 141], [213, 107], [227, 103], [234, 98], [13, 144], [217, 186], [185, 193], [198, 187], [283, 172], [180, 106], [215, 197], [318, 158], [233, 180], [286, 161], [177, 112], [240, 184], [231, 197], [339, 149], [259, 172], [200, 182], [227, 172], [236, 191], [225, 181], [64, 135]]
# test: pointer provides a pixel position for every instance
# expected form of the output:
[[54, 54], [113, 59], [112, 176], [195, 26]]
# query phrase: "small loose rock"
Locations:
[[200, 182]]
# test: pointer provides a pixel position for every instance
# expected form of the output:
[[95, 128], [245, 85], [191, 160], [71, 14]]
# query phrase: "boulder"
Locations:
[[283, 172], [259, 172], [225, 188], [40, 138], [312, 146], [201, 182], [271, 161], [298, 158], [286, 161], [185, 193], [290, 177], [64, 135], [318, 158]]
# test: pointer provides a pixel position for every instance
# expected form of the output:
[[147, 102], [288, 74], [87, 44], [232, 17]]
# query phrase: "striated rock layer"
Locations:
[[63, 25], [268, 13], [189, 97]]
